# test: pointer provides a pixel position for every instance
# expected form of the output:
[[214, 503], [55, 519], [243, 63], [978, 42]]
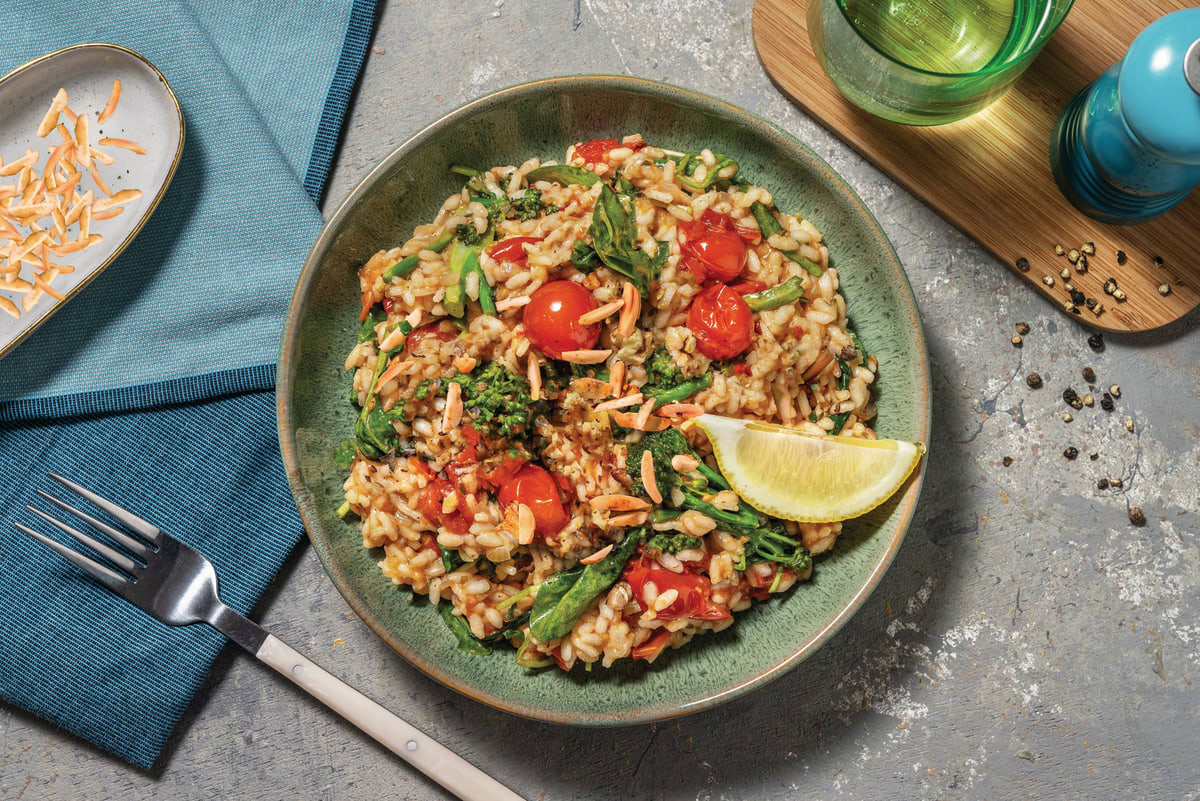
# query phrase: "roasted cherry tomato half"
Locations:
[[694, 599], [593, 152], [723, 254], [552, 318], [712, 221], [721, 322], [512, 249], [437, 332], [654, 646], [747, 287], [430, 504], [537, 489]]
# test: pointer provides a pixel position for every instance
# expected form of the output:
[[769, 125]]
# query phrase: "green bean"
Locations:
[[789, 291]]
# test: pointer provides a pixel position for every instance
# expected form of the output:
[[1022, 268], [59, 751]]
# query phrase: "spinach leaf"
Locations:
[[565, 596], [366, 331], [451, 560], [462, 632], [614, 238], [839, 420], [563, 174], [345, 453]]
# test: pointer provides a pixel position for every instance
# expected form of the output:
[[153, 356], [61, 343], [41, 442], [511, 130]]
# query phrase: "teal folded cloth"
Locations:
[[153, 386]]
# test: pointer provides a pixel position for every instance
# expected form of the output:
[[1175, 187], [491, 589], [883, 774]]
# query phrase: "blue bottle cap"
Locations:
[[1158, 87]]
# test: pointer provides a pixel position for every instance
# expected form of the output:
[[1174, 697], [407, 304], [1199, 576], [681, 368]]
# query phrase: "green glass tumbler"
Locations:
[[928, 62]]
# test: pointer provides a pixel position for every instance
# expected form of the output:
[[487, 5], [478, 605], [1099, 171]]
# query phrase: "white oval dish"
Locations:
[[148, 113]]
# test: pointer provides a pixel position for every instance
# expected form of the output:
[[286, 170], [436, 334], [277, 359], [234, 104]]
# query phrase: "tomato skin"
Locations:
[[537, 489], [552, 318], [712, 221], [653, 646], [695, 591], [748, 287], [502, 473], [722, 253], [388, 305], [593, 152], [442, 332], [721, 322], [512, 250], [430, 504]]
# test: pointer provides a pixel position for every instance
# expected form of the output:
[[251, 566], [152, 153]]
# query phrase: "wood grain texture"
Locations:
[[990, 174]]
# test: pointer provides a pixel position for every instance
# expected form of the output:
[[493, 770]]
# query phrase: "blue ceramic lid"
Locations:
[[1160, 105]]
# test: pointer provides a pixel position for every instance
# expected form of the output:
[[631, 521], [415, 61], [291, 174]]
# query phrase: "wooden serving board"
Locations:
[[990, 174]]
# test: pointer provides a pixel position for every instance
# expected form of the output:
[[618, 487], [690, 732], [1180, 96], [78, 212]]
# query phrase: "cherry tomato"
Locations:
[[537, 489], [430, 504], [722, 252], [552, 318], [593, 152], [440, 332], [388, 305], [499, 475], [653, 646], [721, 322], [747, 287], [512, 249], [712, 221], [694, 590]]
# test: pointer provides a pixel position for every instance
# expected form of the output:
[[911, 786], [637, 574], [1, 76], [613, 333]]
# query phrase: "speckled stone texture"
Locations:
[[1028, 643]]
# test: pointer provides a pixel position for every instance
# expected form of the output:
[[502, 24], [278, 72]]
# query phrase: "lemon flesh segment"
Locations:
[[811, 479]]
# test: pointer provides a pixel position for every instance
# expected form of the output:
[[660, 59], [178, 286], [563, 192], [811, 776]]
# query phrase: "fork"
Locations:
[[177, 585]]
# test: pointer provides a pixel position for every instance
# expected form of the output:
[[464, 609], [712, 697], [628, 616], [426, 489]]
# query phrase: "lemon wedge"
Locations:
[[812, 479]]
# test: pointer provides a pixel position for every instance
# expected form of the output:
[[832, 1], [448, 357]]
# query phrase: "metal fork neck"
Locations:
[[237, 627]]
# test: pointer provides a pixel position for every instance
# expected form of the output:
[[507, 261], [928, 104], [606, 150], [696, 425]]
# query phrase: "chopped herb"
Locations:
[[498, 401], [665, 542], [366, 331]]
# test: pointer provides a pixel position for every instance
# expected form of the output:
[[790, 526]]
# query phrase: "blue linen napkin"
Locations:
[[153, 387]]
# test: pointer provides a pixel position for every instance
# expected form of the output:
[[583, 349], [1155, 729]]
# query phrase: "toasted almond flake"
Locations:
[[648, 479], [683, 463], [681, 411], [124, 144], [57, 104], [114, 97], [616, 377], [128, 196], [109, 214], [511, 303], [65, 134], [394, 369], [413, 318], [628, 519], [600, 313], [819, 364], [70, 114], [534, 372], [16, 285], [96, 177], [644, 413], [526, 524], [586, 356], [83, 147], [465, 364], [618, 503], [25, 248], [31, 299], [630, 420], [102, 157], [452, 415], [77, 209], [9, 307], [632, 310], [393, 340], [598, 556], [54, 293], [619, 403], [85, 222], [28, 160]]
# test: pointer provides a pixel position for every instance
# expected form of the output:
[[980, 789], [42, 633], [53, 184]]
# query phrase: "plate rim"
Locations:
[[6, 348], [285, 385]]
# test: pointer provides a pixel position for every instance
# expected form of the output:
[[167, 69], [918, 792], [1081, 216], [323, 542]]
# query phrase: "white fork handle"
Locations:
[[410, 744]]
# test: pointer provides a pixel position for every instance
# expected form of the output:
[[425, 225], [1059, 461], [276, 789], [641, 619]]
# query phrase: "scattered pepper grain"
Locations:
[[1093, 456], [1034, 381], [1106, 403], [1089, 248], [1073, 255], [1121, 257], [1110, 286], [1067, 417], [1164, 289], [1064, 273], [1023, 264], [1102, 484], [1137, 516], [1017, 341], [1096, 342], [1007, 461], [1129, 425], [1077, 297], [1071, 452], [1088, 400], [1158, 261], [1120, 295], [1022, 328], [1071, 397], [1047, 280], [1115, 390], [1058, 250], [1117, 482], [1089, 375]]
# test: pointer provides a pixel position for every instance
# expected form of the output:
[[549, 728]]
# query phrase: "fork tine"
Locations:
[[148, 531], [111, 554], [109, 578], [135, 546]]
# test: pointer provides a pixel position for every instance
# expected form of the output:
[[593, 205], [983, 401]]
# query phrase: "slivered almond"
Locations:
[[631, 311], [393, 340], [819, 364], [526, 524], [85, 222], [534, 372], [69, 114], [108, 215], [644, 413], [618, 503], [413, 318], [628, 519], [124, 144], [648, 479], [630, 420], [83, 147], [65, 134], [398, 367], [120, 199], [28, 160], [96, 177], [511, 303], [102, 157], [10, 307], [54, 293], [682, 463], [25, 248], [114, 97], [600, 313], [452, 415], [598, 556], [57, 104], [586, 356], [16, 285], [681, 411], [616, 378], [619, 403], [464, 364]]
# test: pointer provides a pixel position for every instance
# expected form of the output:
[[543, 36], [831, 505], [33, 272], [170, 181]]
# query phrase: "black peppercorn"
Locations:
[[1106, 403], [1158, 261], [1022, 328], [1023, 264], [1136, 516], [1071, 452], [1102, 484], [1007, 461], [1096, 342], [1071, 397], [1121, 257], [1034, 381], [1089, 375], [1077, 297]]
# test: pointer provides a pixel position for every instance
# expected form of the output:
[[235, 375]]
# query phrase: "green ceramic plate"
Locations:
[[543, 118]]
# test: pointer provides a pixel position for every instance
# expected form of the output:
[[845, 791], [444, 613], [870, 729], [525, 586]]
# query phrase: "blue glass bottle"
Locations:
[[1127, 148]]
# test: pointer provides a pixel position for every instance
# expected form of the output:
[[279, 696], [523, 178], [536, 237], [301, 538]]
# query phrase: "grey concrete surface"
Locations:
[[1028, 643]]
